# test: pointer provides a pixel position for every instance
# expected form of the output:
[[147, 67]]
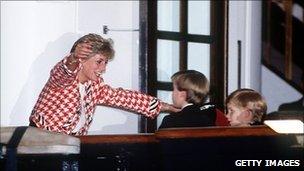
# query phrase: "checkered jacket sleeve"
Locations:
[[61, 76], [129, 100]]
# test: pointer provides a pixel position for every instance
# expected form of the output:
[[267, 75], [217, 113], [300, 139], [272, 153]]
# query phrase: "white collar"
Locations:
[[188, 104]]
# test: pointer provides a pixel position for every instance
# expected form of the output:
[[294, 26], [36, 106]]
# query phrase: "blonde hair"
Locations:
[[99, 44], [194, 83], [250, 99]]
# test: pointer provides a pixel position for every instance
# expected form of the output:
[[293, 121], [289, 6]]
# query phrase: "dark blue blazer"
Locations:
[[191, 116]]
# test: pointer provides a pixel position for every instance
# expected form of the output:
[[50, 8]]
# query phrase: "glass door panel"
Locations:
[[166, 96], [199, 58], [167, 59], [199, 17], [168, 15]]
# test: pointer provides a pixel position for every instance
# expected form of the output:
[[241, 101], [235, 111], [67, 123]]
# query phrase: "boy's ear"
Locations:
[[183, 94], [248, 114]]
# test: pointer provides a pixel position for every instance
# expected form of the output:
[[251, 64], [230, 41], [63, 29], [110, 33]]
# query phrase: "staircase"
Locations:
[[283, 40]]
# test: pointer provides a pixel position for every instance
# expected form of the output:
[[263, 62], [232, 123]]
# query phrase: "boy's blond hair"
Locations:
[[250, 99], [99, 45], [194, 83]]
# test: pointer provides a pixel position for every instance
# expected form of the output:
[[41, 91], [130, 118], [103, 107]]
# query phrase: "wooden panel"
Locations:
[[183, 44], [136, 138], [218, 58], [288, 39], [216, 132], [213, 148], [180, 133]]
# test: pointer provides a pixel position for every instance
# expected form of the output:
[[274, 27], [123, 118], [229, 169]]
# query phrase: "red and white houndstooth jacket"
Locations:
[[58, 105]]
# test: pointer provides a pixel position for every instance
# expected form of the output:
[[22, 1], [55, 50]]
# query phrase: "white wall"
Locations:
[[34, 36], [37, 34], [123, 70], [245, 24], [276, 91]]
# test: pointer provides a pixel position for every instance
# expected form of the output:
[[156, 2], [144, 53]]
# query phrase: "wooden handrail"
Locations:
[[288, 39], [122, 138], [175, 133], [281, 38], [216, 132]]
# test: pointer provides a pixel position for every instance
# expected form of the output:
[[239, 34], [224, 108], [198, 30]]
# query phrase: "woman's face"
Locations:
[[93, 68]]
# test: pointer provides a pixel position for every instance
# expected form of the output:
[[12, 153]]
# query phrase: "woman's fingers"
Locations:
[[83, 50], [165, 107]]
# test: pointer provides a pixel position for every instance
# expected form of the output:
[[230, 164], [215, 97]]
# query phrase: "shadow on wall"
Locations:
[[112, 120], [38, 76]]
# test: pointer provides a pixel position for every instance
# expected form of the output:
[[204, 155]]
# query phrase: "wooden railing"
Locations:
[[282, 41], [126, 138], [210, 148], [179, 133]]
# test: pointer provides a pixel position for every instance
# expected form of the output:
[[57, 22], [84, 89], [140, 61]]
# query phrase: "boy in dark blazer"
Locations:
[[190, 93]]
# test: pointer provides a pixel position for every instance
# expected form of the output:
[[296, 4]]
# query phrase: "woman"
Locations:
[[69, 98]]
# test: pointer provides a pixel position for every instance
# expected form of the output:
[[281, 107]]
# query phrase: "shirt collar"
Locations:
[[188, 104]]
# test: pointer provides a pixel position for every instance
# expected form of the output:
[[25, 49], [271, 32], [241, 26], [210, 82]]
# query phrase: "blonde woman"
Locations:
[[68, 100]]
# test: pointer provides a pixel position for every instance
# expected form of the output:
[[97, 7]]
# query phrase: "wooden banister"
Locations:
[[180, 133], [125, 138], [216, 132], [281, 32], [209, 148], [288, 39]]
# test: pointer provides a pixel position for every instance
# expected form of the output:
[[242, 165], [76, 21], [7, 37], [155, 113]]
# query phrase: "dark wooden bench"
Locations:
[[211, 148], [119, 152], [219, 148]]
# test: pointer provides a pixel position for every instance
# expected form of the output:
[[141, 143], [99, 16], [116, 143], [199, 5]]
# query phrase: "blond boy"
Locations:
[[245, 107], [190, 93]]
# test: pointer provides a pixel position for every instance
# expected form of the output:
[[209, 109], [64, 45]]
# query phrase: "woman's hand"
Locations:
[[81, 53], [168, 108]]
